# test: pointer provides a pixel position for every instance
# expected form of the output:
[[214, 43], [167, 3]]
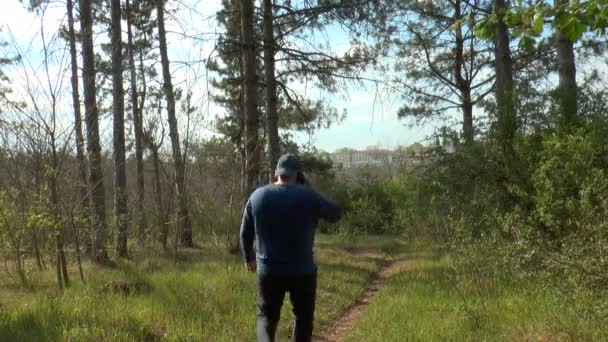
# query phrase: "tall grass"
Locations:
[[204, 295], [435, 303]]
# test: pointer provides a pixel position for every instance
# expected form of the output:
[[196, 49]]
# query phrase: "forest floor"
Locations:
[[373, 288]]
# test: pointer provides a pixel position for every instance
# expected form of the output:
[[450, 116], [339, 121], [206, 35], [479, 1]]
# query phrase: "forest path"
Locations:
[[344, 324]]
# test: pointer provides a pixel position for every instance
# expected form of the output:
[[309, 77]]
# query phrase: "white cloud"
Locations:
[[25, 26]]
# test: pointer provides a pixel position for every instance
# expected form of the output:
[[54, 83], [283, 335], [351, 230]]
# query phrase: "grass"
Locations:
[[435, 303], [205, 296]]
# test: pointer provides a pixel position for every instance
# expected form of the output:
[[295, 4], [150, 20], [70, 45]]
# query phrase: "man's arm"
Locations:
[[247, 234], [328, 209]]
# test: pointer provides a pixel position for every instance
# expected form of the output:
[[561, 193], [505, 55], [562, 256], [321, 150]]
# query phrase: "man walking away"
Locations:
[[282, 219]]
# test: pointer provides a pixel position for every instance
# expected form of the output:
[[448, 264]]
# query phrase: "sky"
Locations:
[[371, 113]]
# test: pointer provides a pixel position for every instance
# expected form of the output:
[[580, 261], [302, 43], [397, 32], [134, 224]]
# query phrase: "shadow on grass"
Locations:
[[363, 243], [342, 268], [28, 326], [47, 319]]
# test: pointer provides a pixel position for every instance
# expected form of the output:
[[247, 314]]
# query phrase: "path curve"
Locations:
[[344, 324]]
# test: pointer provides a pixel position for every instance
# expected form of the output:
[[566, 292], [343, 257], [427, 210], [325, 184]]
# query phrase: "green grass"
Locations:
[[206, 296], [432, 304]]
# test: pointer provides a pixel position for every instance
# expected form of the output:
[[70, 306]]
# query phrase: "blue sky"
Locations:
[[371, 119]]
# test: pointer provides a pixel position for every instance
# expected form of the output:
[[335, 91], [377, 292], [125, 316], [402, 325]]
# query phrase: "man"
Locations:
[[282, 218]]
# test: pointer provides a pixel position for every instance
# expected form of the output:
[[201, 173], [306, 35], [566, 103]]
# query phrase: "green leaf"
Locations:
[[484, 29], [526, 42], [561, 21], [539, 23], [601, 20], [512, 18], [517, 33], [574, 29]]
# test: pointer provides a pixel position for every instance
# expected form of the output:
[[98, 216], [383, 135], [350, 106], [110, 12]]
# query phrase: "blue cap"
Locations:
[[288, 165]]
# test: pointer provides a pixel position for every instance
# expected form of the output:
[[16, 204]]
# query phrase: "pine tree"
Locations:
[[118, 107], [566, 68], [96, 181], [446, 65], [503, 64]]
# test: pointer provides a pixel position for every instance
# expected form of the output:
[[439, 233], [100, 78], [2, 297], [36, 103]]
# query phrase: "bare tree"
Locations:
[[13, 198], [137, 110], [161, 213], [179, 163], [40, 125], [82, 163]]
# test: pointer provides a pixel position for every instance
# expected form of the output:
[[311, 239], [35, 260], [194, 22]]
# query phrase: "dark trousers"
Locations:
[[271, 291]]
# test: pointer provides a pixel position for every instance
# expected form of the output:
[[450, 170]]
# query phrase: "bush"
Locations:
[[374, 205], [364, 216], [566, 232]]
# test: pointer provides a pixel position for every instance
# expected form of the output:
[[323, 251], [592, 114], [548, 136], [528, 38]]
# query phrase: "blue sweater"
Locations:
[[282, 220]]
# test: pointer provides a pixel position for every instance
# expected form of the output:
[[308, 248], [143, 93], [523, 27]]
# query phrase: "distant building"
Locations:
[[347, 158]]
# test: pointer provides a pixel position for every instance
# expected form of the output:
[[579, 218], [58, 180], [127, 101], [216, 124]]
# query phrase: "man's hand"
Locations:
[[251, 265]]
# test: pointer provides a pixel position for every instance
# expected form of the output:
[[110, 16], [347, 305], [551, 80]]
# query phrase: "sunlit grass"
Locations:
[[206, 295], [431, 303]]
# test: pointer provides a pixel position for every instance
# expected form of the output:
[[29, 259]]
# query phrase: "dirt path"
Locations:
[[342, 326]]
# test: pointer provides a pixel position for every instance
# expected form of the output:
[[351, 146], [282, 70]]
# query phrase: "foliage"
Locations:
[[543, 220], [372, 206], [567, 229], [573, 18], [9, 218]]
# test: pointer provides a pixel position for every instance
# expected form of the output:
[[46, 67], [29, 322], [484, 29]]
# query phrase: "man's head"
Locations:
[[288, 169]]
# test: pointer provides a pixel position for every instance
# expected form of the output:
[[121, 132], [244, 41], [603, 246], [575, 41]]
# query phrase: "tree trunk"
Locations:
[[272, 118], [61, 264], [118, 106], [467, 118], [250, 105], [158, 196], [64, 264], [507, 122], [464, 85], [97, 191], [75, 231], [138, 128], [241, 120], [35, 236], [37, 250], [185, 225], [19, 265], [566, 68], [82, 163]]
